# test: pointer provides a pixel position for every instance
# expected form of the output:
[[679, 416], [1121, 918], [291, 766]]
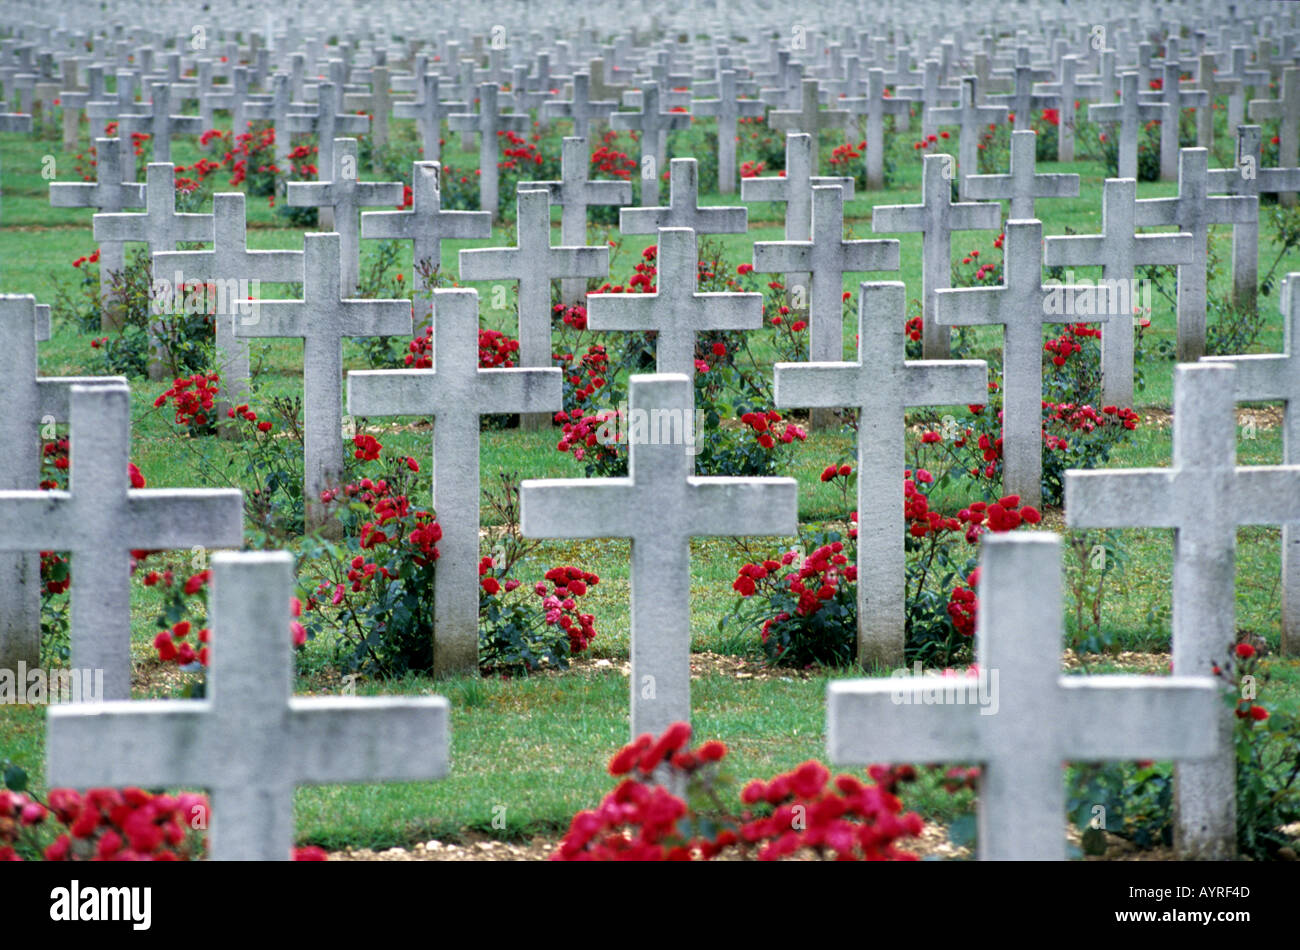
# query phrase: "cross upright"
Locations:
[[100, 520], [426, 224], [1286, 108], [1247, 177], [875, 107], [250, 741], [676, 311], [881, 385], [1021, 186], [489, 122], [345, 194], [1021, 306], [1176, 98], [1276, 376], [826, 257], [429, 111], [1020, 735], [1129, 113], [534, 263], [455, 392], [1068, 90], [683, 209], [1022, 101], [1118, 250], [659, 506], [31, 400], [322, 320], [809, 118], [654, 126], [1193, 211], [972, 119], [575, 193], [936, 217], [582, 109], [229, 263], [729, 107], [1204, 497], [110, 193]]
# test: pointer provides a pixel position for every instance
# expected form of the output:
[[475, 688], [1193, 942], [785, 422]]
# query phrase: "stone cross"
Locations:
[[325, 123], [100, 521], [489, 122], [1176, 98], [1193, 211], [881, 385], [1118, 250], [1069, 90], [429, 112], [1021, 186], [676, 311], [1022, 305], [1203, 497], [534, 263], [659, 506], [1020, 735], [455, 392], [1240, 78], [1214, 85], [875, 106], [250, 741], [1247, 177], [684, 209], [582, 109], [31, 401], [931, 96], [1022, 101], [809, 118], [18, 122], [111, 193], [159, 226], [226, 265], [575, 193], [654, 126], [826, 257], [728, 107], [1129, 113], [1276, 376], [426, 224], [378, 102], [345, 194], [322, 320], [1287, 108], [936, 217], [163, 124], [972, 119]]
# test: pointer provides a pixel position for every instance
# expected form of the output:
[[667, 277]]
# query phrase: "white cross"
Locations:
[[1287, 108], [1203, 497], [1176, 99], [684, 209], [582, 109], [809, 117], [1022, 100], [1193, 211], [250, 741], [159, 227], [346, 195], [931, 95], [322, 319], [972, 119], [827, 257], [1214, 85], [455, 392], [676, 311], [100, 521], [163, 124], [429, 112], [1021, 186], [229, 262], [1267, 376], [936, 217], [1030, 718], [654, 126], [1129, 113], [1118, 250], [659, 506], [326, 123], [881, 385], [1071, 88], [1022, 305], [489, 122], [728, 106]]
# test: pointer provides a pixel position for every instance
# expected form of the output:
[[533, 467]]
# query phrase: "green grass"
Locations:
[[538, 746]]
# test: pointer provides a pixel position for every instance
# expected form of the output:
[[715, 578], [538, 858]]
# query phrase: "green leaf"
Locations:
[[15, 778]]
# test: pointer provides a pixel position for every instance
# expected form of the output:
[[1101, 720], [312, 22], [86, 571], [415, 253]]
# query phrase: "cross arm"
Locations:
[[945, 382], [1076, 250], [489, 263], [1141, 497], [728, 311], [754, 189], [1259, 375], [783, 257], [167, 518], [969, 306], [156, 743], [744, 507], [899, 219], [816, 385], [886, 720], [576, 262], [53, 393], [519, 390], [273, 318], [349, 739], [1266, 494], [1177, 713], [871, 254], [577, 508]]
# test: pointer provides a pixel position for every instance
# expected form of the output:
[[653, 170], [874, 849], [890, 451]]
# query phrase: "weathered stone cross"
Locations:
[[1021, 186]]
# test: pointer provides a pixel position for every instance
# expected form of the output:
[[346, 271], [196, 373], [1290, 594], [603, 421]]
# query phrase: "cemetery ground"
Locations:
[[538, 745]]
